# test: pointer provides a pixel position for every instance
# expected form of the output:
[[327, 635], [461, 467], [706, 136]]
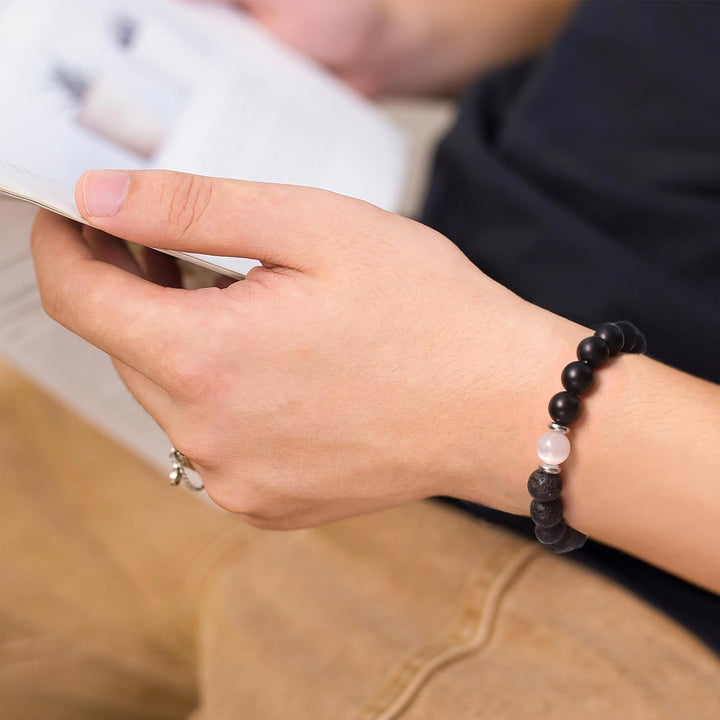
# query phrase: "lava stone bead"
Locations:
[[594, 351], [564, 407], [544, 486], [546, 514], [577, 377], [552, 534], [571, 540]]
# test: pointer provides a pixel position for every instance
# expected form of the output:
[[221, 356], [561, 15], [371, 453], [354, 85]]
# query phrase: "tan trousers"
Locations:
[[125, 598]]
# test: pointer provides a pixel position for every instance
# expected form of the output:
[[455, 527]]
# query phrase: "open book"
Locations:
[[141, 84]]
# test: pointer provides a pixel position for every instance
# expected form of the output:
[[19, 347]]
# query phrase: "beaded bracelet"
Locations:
[[553, 448]]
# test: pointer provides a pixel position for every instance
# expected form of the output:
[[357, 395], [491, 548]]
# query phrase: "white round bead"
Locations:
[[553, 448]]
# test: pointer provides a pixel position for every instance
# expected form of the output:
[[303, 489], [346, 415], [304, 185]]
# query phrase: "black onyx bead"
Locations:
[[594, 351], [544, 486], [571, 540], [640, 344], [564, 408], [635, 341], [629, 335], [552, 534], [613, 335], [546, 514], [577, 377]]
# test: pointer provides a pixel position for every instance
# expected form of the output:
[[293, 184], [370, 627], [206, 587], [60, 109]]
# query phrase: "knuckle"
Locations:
[[253, 504], [51, 301], [188, 198], [227, 497], [54, 299], [187, 373]]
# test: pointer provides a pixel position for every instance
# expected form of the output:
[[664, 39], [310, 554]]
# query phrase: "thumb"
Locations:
[[276, 224]]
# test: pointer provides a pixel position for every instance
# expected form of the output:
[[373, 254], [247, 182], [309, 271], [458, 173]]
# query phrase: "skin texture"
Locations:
[[368, 364], [411, 46]]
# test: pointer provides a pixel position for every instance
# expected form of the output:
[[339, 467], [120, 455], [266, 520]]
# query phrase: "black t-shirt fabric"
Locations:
[[588, 181]]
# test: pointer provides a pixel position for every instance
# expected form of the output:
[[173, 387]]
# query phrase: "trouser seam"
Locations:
[[471, 633]]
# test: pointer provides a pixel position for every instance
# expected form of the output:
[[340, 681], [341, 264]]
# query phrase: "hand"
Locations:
[[411, 46], [368, 364]]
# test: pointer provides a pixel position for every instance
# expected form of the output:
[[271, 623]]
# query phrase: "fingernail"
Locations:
[[104, 192]]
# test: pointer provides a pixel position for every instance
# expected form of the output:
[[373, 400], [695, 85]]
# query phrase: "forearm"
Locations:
[[642, 475], [644, 471]]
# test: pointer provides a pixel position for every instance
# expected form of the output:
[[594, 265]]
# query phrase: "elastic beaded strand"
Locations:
[[553, 448]]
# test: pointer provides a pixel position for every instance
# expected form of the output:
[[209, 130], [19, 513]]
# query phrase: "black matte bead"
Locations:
[[630, 338], [594, 351], [552, 534], [613, 335], [640, 344], [546, 514], [629, 335], [635, 341], [544, 486], [577, 377], [571, 540], [564, 408]]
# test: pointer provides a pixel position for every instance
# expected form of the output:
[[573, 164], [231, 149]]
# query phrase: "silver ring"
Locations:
[[178, 471]]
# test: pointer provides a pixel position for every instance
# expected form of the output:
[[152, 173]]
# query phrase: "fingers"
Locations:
[[158, 267], [128, 317], [110, 250], [294, 227]]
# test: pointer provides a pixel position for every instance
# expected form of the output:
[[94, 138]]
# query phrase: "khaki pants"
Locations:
[[125, 598]]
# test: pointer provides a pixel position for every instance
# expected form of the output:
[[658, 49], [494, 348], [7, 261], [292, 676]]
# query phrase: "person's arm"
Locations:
[[370, 364], [645, 476], [644, 466], [412, 46]]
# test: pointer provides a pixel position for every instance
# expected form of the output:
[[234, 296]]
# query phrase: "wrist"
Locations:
[[514, 414], [511, 397]]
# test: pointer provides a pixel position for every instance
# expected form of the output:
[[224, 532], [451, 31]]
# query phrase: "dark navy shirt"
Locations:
[[588, 181]]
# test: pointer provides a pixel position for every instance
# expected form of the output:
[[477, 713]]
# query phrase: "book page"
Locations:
[[21, 184], [141, 84]]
